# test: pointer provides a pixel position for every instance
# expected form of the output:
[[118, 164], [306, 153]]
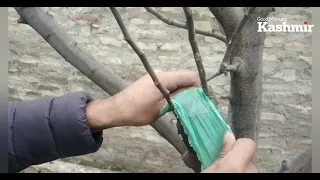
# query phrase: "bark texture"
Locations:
[[246, 80]]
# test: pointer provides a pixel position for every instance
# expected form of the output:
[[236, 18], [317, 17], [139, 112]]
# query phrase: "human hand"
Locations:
[[235, 156], [141, 102]]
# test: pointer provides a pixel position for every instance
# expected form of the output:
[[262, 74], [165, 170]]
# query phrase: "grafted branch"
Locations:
[[224, 67], [141, 55], [183, 25], [245, 58], [82, 60], [189, 157], [195, 49]]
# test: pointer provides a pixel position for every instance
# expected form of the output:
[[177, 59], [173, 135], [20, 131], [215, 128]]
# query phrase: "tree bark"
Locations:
[[246, 81], [300, 164]]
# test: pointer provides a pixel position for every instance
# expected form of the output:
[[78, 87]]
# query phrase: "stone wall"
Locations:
[[36, 70]]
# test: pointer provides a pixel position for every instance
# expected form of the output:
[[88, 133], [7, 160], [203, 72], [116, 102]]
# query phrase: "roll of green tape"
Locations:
[[202, 123]]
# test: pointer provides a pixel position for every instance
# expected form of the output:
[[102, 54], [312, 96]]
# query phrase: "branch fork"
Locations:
[[225, 64]]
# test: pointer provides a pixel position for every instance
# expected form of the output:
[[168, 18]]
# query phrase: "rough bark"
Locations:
[[78, 57], [300, 164], [225, 65], [246, 81]]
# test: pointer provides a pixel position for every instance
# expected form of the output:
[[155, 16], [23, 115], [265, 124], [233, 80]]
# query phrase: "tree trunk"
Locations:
[[246, 81]]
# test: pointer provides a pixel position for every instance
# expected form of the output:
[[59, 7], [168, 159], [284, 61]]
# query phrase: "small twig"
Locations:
[[184, 26], [231, 44], [141, 55], [195, 49]]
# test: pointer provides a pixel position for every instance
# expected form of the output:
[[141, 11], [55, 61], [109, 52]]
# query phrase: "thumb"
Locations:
[[228, 142]]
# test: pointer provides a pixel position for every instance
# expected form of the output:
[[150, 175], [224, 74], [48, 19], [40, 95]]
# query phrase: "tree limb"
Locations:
[[232, 41], [141, 55], [195, 49], [228, 17], [189, 157], [78, 57], [300, 164], [184, 26]]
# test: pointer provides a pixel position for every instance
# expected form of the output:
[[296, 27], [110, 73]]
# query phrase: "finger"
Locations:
[[252, 168], [228, 142], [157, 71], [242, 153], [179, 79]]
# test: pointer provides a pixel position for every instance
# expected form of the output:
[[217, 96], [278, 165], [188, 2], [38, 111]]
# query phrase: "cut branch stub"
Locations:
[[231, 44]]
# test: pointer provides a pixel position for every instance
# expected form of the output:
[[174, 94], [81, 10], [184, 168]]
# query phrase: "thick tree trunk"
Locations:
[[78, 57], [246, 81]]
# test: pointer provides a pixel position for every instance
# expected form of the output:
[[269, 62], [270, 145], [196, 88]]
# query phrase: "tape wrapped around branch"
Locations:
[[201, 122]]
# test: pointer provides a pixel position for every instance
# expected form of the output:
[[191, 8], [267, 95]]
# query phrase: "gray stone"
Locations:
[[171, 47], [137, 21], [156, 22], [268, 43], [295, 36], [110, 41]]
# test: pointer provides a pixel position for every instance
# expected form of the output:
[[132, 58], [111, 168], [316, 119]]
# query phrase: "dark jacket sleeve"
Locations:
[[49, 128]]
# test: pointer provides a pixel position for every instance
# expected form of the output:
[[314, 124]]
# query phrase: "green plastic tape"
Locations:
[[202, 123]]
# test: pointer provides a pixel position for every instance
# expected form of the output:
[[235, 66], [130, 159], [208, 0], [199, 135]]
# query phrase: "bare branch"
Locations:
[[191, 161], [300, 164], [184, 26], [195, 49], [142, 56], [231, 44], [78, 57]]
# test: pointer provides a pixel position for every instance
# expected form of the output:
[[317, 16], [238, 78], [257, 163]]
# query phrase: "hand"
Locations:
[[235, 156], [140, 103]]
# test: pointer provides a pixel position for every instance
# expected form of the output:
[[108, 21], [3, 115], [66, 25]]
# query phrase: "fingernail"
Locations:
[[228, 135]]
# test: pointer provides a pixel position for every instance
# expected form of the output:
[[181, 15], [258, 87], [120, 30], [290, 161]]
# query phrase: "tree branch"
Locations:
[[78, 57], [300, 164], [190, 159], [195, 49], [224, 67], [141, 55], [184, 26], [228, 18]]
